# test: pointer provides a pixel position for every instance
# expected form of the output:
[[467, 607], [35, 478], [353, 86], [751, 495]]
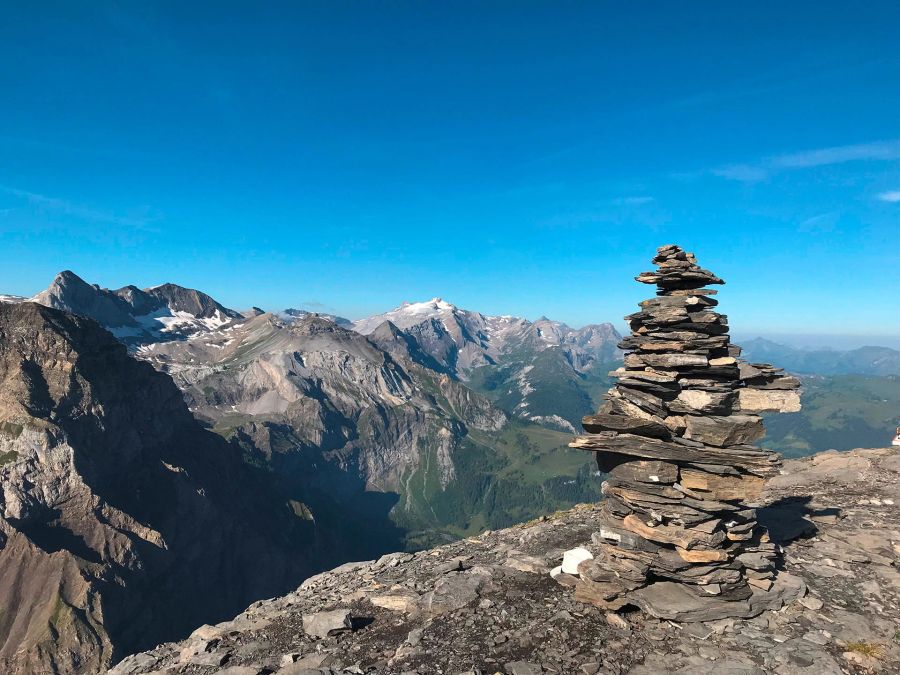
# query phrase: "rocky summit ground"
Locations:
[[488, 605]]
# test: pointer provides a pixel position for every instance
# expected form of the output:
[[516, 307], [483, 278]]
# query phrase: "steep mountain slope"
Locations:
[[166, 312], [365, 425], [862, 361], [122, 522]]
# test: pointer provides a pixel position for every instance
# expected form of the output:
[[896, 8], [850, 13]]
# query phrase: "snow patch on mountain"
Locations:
[[406, 315], [553, 421], [525, 386]]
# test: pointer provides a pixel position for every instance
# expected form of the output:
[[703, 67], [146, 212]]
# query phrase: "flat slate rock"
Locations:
[[674, 602]]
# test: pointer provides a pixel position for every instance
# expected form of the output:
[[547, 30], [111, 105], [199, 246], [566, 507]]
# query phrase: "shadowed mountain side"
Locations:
[[122, 522]]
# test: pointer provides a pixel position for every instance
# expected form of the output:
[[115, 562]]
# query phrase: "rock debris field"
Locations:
[[488, 605]]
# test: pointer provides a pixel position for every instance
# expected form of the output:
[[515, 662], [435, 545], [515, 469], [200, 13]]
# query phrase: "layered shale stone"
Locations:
[[676, 437]]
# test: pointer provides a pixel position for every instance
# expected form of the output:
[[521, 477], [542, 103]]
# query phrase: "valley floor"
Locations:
[[488, 604]]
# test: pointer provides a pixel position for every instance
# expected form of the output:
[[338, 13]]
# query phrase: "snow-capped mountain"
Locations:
[[543, 371], [137, 316], [463, 340], [11, 299]]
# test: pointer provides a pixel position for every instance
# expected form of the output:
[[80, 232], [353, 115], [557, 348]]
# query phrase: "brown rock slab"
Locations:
[[631, 425], [646, 471], [722, 431], [686, 538], [701, 555], [743, 486]]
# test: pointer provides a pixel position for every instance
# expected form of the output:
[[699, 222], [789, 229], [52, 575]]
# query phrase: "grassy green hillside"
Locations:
[[839, 412], [502, 478]]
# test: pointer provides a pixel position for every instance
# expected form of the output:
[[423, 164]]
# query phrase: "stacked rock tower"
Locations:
[[675, 437]]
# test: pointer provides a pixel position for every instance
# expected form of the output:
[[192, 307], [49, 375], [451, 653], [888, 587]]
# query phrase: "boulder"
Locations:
[[323, 624], [573, 557], [396, 601], [452, 592]]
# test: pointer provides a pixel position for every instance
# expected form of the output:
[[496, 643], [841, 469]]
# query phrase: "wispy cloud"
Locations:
[[841, 154], [880, 150], [745, 173], [633, 201], [821, 223], [892, 196], [79, 211]]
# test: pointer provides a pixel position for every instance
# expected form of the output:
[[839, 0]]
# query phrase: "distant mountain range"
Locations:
[[420, 405], [542, 371], [134, 315], [862, 361]]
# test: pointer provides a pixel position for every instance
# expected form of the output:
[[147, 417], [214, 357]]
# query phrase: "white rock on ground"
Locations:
[[573, 557]]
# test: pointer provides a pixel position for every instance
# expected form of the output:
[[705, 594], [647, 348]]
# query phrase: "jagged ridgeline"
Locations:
[[676, 435]]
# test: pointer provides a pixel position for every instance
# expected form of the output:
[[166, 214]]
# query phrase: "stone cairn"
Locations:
[[675, 437]]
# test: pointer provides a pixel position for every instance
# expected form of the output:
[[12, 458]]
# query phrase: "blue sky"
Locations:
[[516, 158]]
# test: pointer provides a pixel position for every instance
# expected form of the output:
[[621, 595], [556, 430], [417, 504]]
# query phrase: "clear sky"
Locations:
[[511, 157]]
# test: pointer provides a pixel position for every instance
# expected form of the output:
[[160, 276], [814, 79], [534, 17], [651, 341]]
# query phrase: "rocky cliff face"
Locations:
[[487, 604], [340, 417], [122, 521]]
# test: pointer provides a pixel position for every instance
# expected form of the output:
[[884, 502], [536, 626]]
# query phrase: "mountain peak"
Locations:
[[68, 278], [137, 315], [435, 304], [197, 303]]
